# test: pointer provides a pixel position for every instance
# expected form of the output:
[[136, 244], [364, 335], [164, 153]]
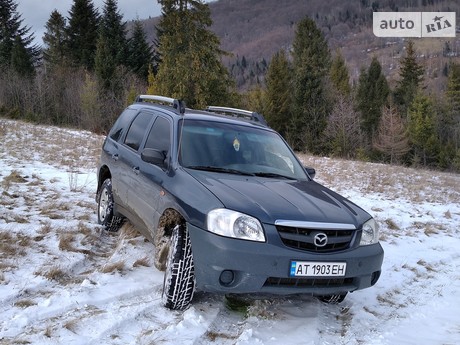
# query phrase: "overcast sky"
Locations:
[[35, 13]]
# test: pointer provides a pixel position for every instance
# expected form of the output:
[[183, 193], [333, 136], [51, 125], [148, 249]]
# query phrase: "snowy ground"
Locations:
[[65, 281]]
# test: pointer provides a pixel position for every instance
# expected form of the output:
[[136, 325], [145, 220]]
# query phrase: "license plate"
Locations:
[[317, 269]]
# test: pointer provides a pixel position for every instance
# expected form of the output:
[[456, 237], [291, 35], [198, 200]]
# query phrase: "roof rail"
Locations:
[[252, 115], [175, 103]]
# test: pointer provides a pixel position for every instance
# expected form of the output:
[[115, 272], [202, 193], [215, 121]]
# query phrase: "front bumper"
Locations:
[[227, 265]]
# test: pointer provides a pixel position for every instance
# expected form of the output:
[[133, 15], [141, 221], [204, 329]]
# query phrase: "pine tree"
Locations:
[[21, 60], [311, 63], [372, 95], [16, 43], [279, 93], [113, 29], [190, 66], [422, 133], [55, 39], [339, 75], [82, 33], [392, 138], [105, 65], [411, 74], [151, 89], [450, 125], [112, 47], [140, 56], [453, 89]]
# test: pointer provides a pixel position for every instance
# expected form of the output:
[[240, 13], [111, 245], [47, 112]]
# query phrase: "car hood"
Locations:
[[270, 199]]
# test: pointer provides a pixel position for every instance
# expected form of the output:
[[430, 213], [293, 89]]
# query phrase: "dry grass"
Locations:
[[11, 245], [46, 228], [128, 231], [428, 267], [24, 303], [12, 178], [390, 299], [391, 224], [415, 185], [71, 325], [68, 239], [142, 262], [66, 242], [37, 181], [48, 332], [2, 128], [20, 219], [74, 147], [118, 266], [56, 274], [84, 229]]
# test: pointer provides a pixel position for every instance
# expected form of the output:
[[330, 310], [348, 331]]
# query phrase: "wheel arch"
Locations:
[[104, 174], [168, 220]]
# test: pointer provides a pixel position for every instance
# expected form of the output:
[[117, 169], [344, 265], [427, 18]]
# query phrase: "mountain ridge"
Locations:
[[256, 29]]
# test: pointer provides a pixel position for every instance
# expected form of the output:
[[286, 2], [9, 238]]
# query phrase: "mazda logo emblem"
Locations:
[[320, 239]]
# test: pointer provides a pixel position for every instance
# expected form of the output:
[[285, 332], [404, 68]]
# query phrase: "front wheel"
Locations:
[[105, 215], [179, 278]]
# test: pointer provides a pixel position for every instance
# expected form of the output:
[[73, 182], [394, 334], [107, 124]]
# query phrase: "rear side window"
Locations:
[[159, 137], [137, 130], [122, 123]]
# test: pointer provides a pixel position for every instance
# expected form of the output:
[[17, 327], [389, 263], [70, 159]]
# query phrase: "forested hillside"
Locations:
[[313, 68], [253, 30]]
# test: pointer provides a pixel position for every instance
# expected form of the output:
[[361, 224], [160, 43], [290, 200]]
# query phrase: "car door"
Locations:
[[151, 177], [111, 150], [129, 162]]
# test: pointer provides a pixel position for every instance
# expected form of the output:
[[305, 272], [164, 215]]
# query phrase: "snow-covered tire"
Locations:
[[105, 215], [333, 299], [179, 278]]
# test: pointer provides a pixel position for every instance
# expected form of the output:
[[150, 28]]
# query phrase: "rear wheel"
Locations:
[[179, 278], [333, 299], [105, 215]]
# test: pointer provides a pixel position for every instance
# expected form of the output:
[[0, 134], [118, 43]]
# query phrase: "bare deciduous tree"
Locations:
[[343, 130], [392, 139]]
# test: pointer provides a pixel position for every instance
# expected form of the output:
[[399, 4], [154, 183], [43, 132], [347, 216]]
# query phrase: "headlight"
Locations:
[[234, 224], [370, 234]]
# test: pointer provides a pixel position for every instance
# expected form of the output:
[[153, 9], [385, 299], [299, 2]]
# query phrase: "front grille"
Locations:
[[302, 282], [302, 238]]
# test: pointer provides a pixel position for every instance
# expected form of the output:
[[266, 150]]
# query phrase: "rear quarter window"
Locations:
[[122, 124]]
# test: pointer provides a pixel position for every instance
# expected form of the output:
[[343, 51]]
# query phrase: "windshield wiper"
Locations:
[[270, 174], [218, 169]]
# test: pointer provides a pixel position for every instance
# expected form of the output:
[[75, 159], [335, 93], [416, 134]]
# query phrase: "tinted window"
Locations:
[[159, 137], [247, 149], [122, 123], [137, 130]]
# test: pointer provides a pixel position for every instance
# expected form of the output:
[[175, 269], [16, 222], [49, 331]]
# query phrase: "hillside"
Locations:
[[253, 30], [64, 280]]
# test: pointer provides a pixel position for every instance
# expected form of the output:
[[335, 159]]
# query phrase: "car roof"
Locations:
[[212, 113]]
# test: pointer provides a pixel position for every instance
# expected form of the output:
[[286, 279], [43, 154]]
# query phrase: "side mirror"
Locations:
[[311, 171], [153, 156]]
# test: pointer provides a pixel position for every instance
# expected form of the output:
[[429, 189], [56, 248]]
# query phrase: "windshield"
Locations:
[[229, 148]]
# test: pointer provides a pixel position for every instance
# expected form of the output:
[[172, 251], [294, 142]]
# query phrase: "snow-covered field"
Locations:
[[65, 281]]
